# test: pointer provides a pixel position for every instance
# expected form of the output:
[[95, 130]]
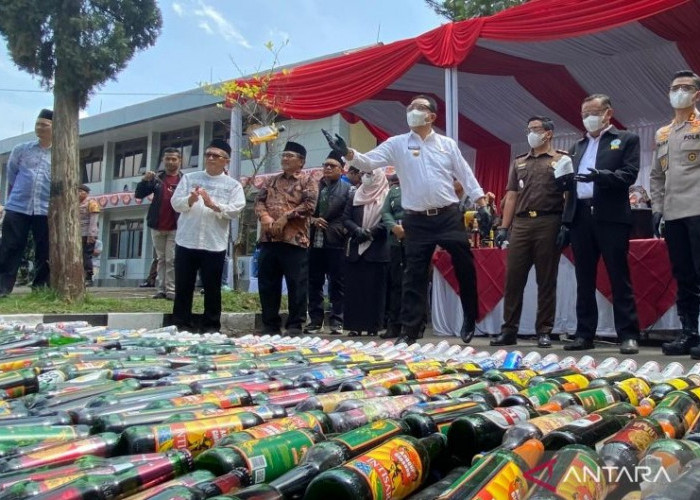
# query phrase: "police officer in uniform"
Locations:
[[675, 194], [532, 210]]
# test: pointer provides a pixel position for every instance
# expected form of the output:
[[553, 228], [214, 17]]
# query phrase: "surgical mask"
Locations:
[[593, 122], [680, 99], [535, 140], [416, 118], [367, 179]]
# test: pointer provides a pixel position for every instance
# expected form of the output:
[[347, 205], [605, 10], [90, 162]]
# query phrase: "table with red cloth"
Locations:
[[650, 270]]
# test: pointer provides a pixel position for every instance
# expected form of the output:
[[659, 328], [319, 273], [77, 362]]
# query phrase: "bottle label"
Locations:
[[586, 421], [269, 459], [595, 399], [549, 423], [386, 379], [391, 470], [274, 427], [195, 435], [577, 380], [450, 408], [506, 417], [681, 404], [330, 401], [75, 449], [369, 435], [520, 377], [677, 383], [432, 388], [502, 391], [541, 393], [223, 399], [580, 478], [390, 407], [635, 388], [639, 433]]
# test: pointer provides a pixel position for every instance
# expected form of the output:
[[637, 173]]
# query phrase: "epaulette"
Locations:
[[562, 152], [524, 154]]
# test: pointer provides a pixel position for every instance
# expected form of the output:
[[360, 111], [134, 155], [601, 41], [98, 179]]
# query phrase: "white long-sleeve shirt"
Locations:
[[426, 169], [200, 227]]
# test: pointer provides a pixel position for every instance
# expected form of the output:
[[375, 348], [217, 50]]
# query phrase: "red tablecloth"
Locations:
[[650, 272]]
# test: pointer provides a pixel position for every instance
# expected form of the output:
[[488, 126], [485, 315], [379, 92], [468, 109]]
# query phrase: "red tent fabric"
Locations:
[[540, 58]]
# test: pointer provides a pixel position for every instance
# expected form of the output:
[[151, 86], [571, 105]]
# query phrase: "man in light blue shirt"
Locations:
[[27, 207]]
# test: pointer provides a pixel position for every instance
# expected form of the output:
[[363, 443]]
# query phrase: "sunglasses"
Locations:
[[215, 156]]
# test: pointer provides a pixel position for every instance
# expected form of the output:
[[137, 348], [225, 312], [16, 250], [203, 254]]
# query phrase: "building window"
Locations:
[[187, 141], [91, 165], [125, 239], [130, 158]]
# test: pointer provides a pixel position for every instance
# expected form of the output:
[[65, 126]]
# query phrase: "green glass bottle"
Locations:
[[315, 420], [394, 469], [663, 462], [264, 459], [440, 419], [587, 431]]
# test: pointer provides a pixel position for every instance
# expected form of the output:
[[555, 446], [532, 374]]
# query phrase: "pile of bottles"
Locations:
[[92, 413]]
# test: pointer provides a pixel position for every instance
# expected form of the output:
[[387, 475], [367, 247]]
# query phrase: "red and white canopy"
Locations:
[[541, 58]]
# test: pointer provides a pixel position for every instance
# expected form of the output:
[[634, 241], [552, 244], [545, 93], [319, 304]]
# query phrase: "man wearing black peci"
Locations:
[[426, 163], [598, 218]]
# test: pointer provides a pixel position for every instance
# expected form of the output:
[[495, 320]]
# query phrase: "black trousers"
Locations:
[[88, 249], [423, 232], [15, 232], [395, 287], [326, 262], [590, 240], [210, 266], [683, 242], [291, 262]]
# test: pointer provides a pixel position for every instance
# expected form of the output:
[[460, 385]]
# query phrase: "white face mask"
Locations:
[[416, 118], [367, 179], [535, 140], [593, 122], [680, 99]]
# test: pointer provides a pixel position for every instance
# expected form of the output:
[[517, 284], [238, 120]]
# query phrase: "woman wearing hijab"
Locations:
[[367, 256]]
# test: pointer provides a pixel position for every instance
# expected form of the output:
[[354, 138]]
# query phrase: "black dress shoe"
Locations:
[[391, 332], [147, 284], [504, 339], [579, 344], [543, 341], [682, 345], [467, 331], [629, 346]]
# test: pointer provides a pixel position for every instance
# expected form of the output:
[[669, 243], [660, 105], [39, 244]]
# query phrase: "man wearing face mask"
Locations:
[[675, 190], [598, 218], [426, 164], [532, 211]]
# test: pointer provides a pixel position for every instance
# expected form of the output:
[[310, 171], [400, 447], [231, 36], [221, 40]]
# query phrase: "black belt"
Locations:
[[586, 201], [431, 211], [531, 214]]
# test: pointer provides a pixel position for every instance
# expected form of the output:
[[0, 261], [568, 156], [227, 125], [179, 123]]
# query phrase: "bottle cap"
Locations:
[[531, 451]]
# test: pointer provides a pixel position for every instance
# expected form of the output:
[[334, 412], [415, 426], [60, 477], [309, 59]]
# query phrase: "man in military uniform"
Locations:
[[532, 211], [675, 191], [392, 215]]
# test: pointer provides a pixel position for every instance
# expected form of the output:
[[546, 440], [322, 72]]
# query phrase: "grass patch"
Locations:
[[48, 302]]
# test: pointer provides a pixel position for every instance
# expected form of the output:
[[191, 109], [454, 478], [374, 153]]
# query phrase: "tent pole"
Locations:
[[451, 103]]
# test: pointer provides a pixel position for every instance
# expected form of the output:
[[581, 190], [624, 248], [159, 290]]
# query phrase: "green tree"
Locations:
[[459, 10], [73, 46]]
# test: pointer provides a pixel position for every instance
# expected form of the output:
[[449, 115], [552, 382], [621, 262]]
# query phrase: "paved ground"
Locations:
[[650, 348]]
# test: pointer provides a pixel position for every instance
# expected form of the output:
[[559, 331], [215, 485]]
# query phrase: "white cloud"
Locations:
[[83, 114], [179, 9], [222, 26], [205, 26]]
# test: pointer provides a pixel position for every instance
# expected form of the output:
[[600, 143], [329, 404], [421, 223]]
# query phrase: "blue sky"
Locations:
[[214, 40]]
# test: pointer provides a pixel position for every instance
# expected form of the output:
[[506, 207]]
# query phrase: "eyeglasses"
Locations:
[[290, 155], [215, 156], [683, 87], [418, 106], [330, 165]]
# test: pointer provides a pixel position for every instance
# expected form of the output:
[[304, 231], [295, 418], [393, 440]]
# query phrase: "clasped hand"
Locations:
[[591, 176]]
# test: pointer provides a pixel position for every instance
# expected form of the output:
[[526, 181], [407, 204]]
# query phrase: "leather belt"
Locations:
[[431, 211], [531, 214]]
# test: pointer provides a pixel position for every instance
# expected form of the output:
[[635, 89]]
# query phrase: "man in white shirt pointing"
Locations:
[[426, 163], [207, 201]]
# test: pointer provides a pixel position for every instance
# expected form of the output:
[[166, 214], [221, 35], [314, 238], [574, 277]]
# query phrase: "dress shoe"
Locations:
[[629, 346], [504, 339], [682, 345], [579, 344], [406, 339], [159, 295], [467, 331], [147, 284], [313, 329], [543, 341], [336, 329], [391, 332], [293, 331], [695, 352]]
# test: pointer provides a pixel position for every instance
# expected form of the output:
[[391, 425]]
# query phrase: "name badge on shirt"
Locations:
[[415, 150]]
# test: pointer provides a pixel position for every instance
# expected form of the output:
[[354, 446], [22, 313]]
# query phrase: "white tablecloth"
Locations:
[[447, 309]]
